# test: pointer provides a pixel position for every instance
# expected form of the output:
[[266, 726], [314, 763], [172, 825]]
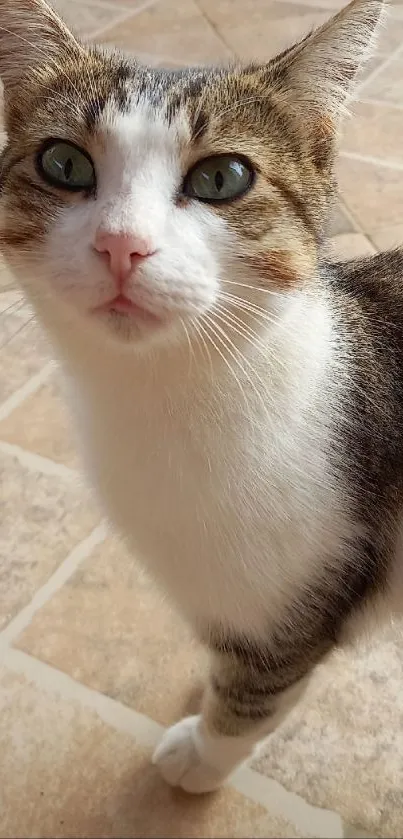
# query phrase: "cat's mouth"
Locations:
[[122, 305]]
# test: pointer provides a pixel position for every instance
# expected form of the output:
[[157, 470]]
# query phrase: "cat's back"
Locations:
[[367, 304], [368, 292], [366, 298]]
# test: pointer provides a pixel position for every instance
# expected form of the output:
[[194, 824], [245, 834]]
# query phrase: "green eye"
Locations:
[[65, 165], [219, 178]]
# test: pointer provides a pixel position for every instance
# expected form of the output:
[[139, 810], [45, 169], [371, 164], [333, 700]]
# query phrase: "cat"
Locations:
[[238, 395]]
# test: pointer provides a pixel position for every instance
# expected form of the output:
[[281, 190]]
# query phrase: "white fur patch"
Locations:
[[189, 758]]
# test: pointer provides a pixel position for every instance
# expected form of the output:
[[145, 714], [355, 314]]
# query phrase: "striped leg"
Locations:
[[248, 695]]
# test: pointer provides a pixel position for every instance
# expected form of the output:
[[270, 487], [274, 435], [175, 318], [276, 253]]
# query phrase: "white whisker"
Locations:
[[231, 347], [199, 333], [239, 326], [191, 350], [255, 288], [204, 326], [252, 308]]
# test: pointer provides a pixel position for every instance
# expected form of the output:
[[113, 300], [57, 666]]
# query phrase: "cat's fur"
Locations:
[[251, 450]]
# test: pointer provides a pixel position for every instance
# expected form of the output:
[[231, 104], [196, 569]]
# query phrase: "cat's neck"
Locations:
[[287, 349]]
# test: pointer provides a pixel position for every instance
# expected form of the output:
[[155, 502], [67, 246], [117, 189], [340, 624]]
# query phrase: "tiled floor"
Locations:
[[93, 664]]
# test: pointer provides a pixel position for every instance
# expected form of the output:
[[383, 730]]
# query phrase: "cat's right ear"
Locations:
[[32, 36], [320, 74]]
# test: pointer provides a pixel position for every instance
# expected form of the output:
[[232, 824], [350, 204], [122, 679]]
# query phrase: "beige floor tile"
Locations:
[[387, 86], [42, 425], [13, 316], [271, 826], [175, 30], [159, 61], [10, 301], [258, 31], [331, 6], [396, 9], [374, 194], [23, 355], [65, 773], [388, 237], [376, 131], [343, 749], [120, 5], [340, 221], [42, 519], [110, 629], [227, 14], [7, 281], [130, 4], [372, 66], [351, 246], [390, 37], [395, 6], [86, 19]]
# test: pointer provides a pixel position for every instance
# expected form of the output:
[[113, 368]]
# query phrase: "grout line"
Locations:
[[102, 30], [216, 29], [381, 103], [55, 582], [146, 732], [310, 820], [102, 4], [374, 161], [127, 14], [37, 462], [382, 66], [19, 396], [350, 217]]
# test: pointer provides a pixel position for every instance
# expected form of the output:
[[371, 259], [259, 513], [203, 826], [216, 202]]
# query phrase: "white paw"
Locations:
[[178, 757]]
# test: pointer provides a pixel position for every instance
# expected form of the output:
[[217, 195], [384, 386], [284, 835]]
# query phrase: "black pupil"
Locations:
[[68, 168], [219, 181]]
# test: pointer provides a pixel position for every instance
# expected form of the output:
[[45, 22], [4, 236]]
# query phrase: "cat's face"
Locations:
[[184, 188], [143, 201]]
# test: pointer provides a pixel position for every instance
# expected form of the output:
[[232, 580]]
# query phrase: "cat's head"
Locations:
[[142, 200]]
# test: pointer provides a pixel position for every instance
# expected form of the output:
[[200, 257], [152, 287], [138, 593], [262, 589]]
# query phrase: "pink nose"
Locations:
[[123, 251]]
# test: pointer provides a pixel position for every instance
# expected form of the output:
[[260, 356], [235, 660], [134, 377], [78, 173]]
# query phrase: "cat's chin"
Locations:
[[128, 327]]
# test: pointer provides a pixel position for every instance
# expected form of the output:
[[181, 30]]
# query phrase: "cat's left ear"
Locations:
[[32, 37], [319, 75]]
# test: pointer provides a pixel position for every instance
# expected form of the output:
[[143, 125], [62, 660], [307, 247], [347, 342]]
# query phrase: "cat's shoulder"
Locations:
[[367, 302], [372, 280]]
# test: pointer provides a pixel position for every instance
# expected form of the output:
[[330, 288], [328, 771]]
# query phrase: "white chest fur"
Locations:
[[220, 484]]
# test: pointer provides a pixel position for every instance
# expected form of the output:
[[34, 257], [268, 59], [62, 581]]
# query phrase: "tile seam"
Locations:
[[27, 389], [38, 463], [126, 15], [271, 795], [383, 65], [381, 103], [374, 161], [81, 551]]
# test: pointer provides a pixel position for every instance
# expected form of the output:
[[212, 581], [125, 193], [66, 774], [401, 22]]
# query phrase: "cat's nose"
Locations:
[[123, 251]]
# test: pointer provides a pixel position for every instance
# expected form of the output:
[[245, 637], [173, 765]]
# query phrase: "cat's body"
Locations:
[[240, 507], [194, 463], [239, 402]]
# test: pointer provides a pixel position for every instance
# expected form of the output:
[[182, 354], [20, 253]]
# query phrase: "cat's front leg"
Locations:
[[250, 691]]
